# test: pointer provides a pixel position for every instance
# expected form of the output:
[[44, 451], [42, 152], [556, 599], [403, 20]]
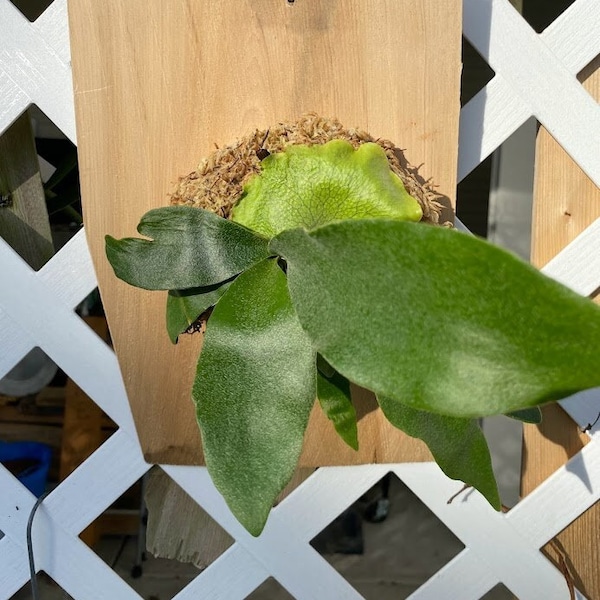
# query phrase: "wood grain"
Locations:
[[158, 84], [189, 534], [565, 203]]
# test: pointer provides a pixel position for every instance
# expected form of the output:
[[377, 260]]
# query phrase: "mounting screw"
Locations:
[[262, 153], [6, 200]]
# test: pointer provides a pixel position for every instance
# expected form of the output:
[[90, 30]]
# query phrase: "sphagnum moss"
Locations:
[[217, 184]]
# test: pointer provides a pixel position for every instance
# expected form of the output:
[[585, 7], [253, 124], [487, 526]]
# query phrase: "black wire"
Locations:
[[591, 426], [32, 574]]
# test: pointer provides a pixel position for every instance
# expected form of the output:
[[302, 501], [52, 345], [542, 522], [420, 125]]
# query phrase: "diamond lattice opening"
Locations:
[[29, 376], [149, 576], [60, 172], [47, 589], [476, 73], [368, 546], [156, 537], [57, 424], [541, 13], [32, 408], [39, 188], [472, 198], [496, 197], [152, 545], [270, 589], [24, 222], [498, 592], [32, 9]]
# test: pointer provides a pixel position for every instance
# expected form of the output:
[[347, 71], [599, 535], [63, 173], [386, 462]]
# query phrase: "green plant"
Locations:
[[326, 278]]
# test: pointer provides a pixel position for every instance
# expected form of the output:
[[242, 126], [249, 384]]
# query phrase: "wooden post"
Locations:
[[565, 203], [174, 79], [159, 84]]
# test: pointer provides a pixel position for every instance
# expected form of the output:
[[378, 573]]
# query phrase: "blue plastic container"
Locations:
[[29, 461]]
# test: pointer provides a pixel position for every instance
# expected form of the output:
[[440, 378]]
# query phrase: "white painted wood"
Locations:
[[494, 536], [553, 94], [82, 574], [71, 275], [504, 550], [14, 572], [13, 100], [64, 514], [573, 36], [15, 343], [74, 261], [294, 563], [583, 408], [578, 265], [35, 69], [63, 336], [534, 75], [464, 572], [241, 572], [577, 485], [105, 475], [53, 26], [498, 110], [486, 121]]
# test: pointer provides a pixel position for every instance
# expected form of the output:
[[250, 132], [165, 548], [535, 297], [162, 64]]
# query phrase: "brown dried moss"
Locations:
[[218, 182]]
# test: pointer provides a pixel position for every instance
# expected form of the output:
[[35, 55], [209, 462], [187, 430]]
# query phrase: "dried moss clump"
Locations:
[[218, 182]]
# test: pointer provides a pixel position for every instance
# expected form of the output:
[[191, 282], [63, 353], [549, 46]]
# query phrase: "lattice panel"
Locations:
[[535, 75]]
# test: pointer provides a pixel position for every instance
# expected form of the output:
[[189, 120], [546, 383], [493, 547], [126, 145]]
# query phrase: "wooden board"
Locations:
[[158, 83], [566, 202]]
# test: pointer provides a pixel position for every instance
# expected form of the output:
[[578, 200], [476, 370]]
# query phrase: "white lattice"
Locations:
[[535, 75]]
